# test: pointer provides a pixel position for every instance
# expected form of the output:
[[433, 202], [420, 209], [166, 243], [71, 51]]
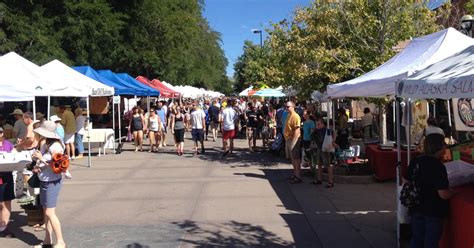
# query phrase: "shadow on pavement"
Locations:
[[229, 234], [243, 158], [16, 228], [137, 245], [300, 227]]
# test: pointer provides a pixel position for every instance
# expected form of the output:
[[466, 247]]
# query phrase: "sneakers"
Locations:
[[79, 156], [68, 175]]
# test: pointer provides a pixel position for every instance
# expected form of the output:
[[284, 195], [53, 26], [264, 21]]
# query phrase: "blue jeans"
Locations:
[[426, 231], [79, 144]]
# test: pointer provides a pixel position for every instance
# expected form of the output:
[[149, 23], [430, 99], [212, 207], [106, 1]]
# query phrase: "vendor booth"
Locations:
[[381, 82], [453, 78], [93, 88]]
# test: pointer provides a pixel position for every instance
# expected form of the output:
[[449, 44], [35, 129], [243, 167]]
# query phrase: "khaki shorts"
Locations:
[[293, 149]]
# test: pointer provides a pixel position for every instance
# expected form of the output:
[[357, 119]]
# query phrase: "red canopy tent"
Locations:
[[156, 84], [161, 86]]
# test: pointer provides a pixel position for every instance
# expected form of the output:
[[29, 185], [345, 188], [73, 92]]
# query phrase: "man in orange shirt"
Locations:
[[292, 134]]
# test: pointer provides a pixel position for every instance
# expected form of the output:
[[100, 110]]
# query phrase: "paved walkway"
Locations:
[[162, 200]]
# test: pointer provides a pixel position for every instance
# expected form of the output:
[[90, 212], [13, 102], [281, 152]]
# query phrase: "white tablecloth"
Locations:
[[102, 136]]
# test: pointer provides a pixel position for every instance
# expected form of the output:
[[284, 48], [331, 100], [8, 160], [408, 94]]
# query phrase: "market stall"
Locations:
[[93, 88], [452, 78]]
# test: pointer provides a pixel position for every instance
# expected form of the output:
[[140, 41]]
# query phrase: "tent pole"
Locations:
[[89, 162], [399, 161], [434, 109], [334, 116], [409, 130], [48, 111], [34, 109], [119, 123], [394, 106], [113, 122], [449, 121]]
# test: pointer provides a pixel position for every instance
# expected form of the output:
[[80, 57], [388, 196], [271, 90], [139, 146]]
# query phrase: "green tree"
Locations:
[[330, 42]]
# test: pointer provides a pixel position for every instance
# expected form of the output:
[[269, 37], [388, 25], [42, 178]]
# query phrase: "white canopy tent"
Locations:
[[60, 72], [19, 80], [246, 91], [187, 91], [420, 53], [452, 77]]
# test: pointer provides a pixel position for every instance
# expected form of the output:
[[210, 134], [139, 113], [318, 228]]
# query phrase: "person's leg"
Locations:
[[48, 235], [152, 141], [231, 145], [320, 165], [158, 138], [249, 138], [5, 209], [224, 144], [254, 138], [140, 139], [73, 148], [68, 151], [135, 139], [50, 213], [417, 231], [80, 145], [201, 140], [163, 136], [207, 131], [433, 231], [330, 167]]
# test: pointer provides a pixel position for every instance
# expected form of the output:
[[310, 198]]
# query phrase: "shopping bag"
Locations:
[[328, 142], [129, 136]]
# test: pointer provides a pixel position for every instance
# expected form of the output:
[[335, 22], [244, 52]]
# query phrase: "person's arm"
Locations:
[[442, 184], [173, 122], [143, 122], [204, 123]]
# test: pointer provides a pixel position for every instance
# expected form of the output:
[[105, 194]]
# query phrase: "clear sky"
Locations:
[[235, 19]]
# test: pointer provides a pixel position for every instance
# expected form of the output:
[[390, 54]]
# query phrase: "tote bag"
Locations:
[[327, 143]]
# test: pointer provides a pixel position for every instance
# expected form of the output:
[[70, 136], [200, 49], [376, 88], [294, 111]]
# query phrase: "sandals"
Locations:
[[329, 185], [296, 180], [38, 228]]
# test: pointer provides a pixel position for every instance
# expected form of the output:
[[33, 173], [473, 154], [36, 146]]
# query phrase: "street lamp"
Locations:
[[258, 31], [467, 23]]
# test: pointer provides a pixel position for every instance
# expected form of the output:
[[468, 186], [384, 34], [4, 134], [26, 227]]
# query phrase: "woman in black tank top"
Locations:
[[178, 128], [137, 126]]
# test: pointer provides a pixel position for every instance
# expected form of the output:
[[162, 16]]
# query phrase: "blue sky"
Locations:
[[235, 19]]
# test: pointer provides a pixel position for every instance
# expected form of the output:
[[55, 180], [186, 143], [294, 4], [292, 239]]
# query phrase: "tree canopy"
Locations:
[[329, 42], [169, 40]]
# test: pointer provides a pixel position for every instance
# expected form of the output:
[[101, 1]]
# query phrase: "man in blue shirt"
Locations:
[[161, 112]]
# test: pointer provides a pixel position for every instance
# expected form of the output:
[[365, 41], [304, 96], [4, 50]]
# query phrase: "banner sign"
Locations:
[[441, 89], [101, 92], [463, 114]]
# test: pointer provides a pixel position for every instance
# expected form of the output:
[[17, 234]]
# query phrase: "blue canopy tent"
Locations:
[[119, 88], [140, 91], [132, 81]]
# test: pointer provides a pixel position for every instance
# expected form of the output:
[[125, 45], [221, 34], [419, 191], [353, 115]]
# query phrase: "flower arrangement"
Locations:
[[59, 163]]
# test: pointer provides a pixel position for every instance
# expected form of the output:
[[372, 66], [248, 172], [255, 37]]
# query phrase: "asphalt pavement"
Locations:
[[141, 199]]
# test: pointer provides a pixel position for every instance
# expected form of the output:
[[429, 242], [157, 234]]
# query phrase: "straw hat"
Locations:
[[47, 130], [39, 115], [54, 118], [17, 112]]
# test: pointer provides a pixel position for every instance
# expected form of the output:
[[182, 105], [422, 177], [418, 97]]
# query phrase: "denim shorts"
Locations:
[[49, 192]]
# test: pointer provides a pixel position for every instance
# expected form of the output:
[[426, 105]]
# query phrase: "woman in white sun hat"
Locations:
[[50, 182]]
